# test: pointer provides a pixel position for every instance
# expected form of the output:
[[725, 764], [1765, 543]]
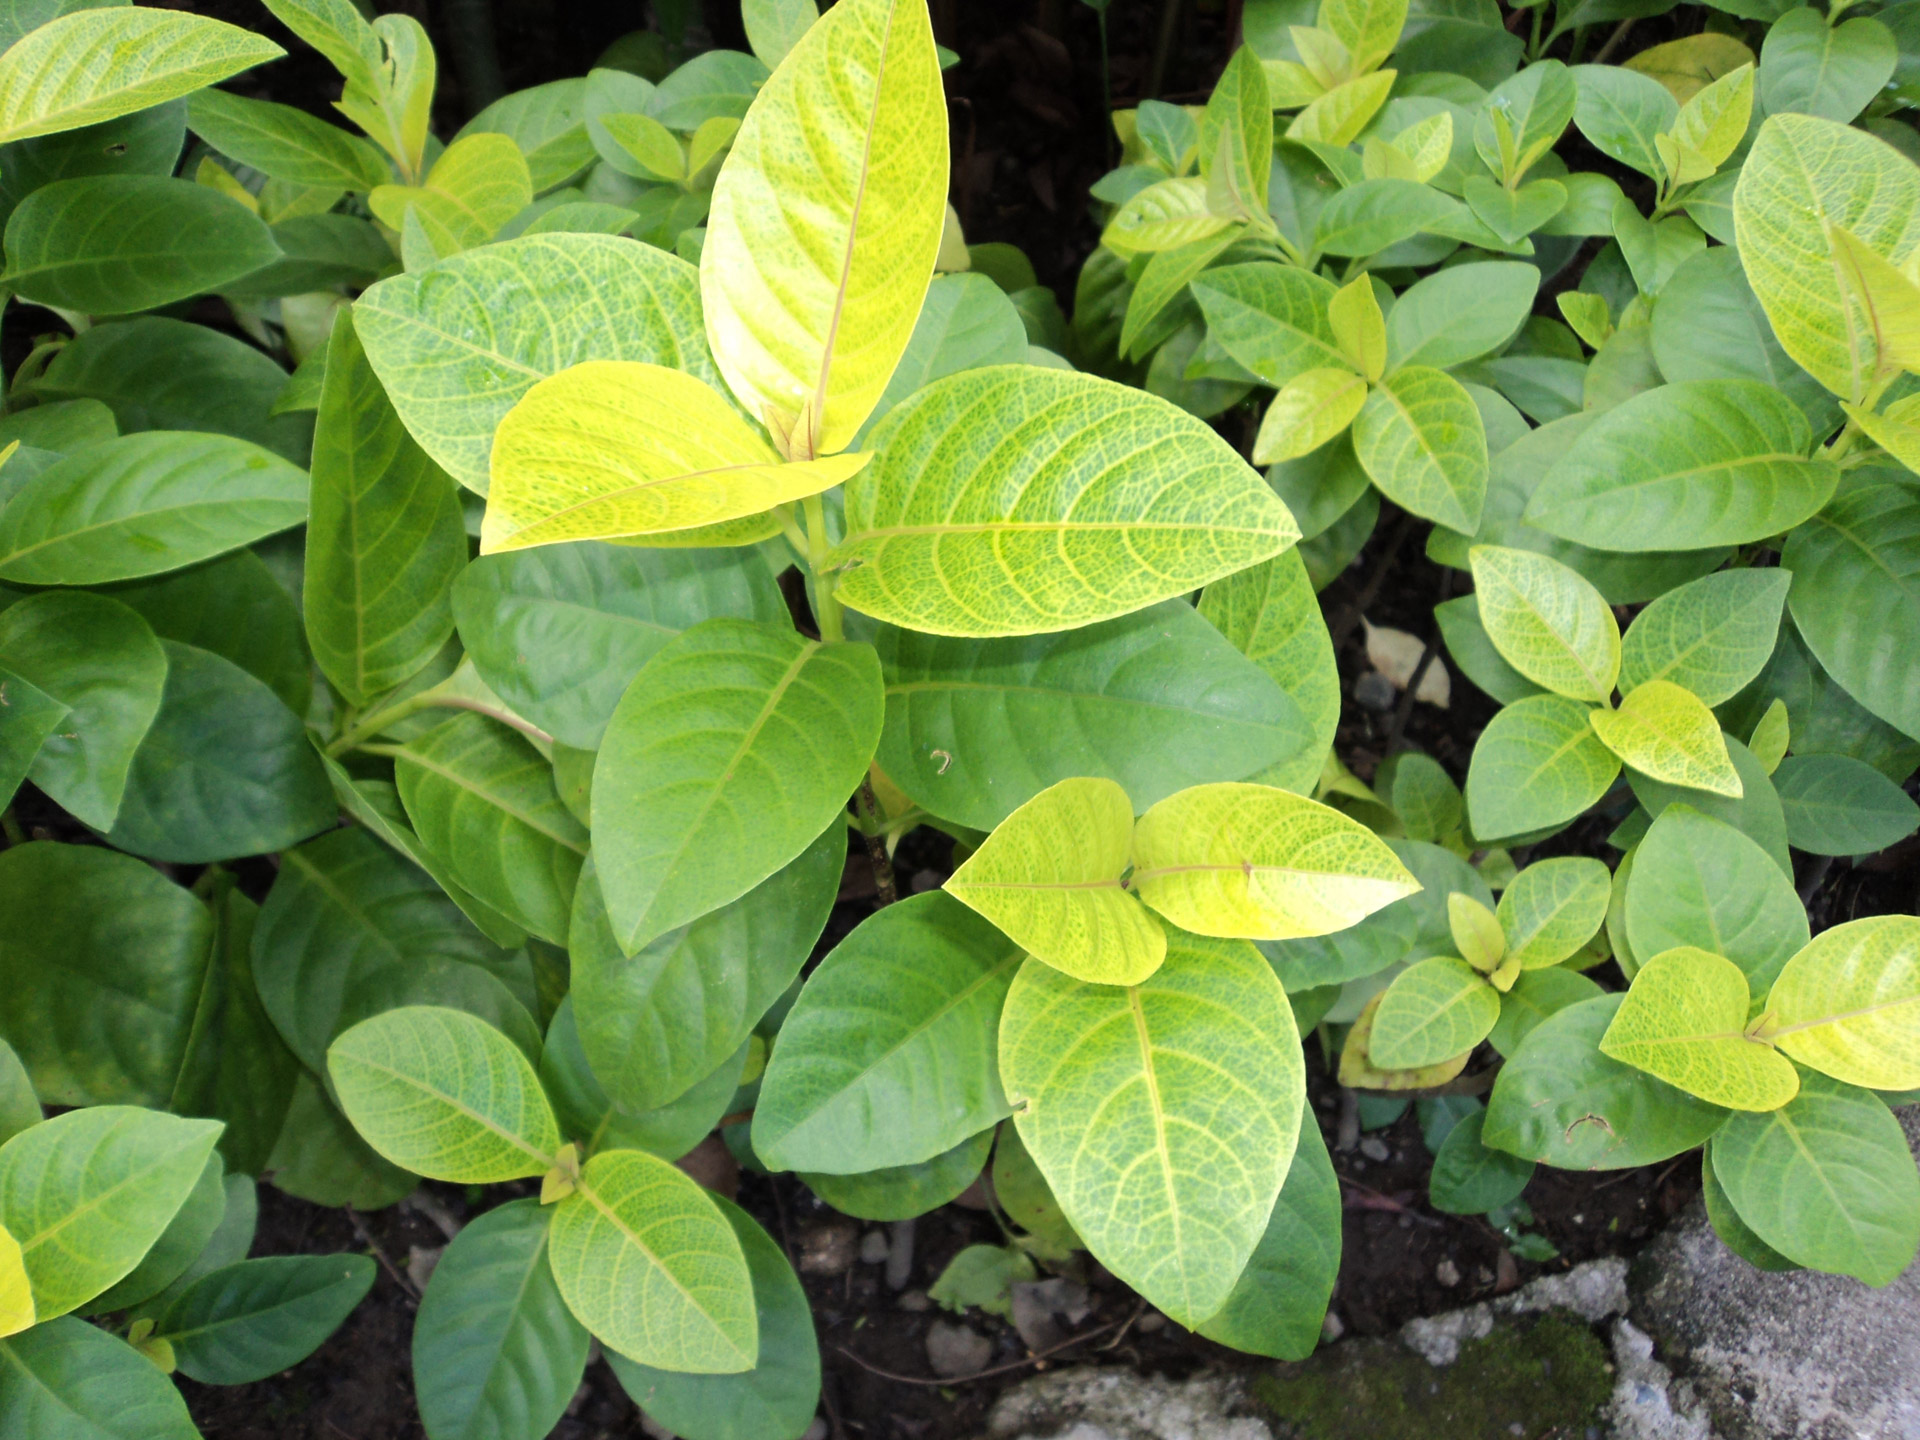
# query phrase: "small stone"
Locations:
[[1374, 1148], [1482, 1275], [1374, 691], [915, 1301], [1506, 1271], [925, 880], [420, 1262], [900, 1254], [1038, 1306], [829, 1247], [1150, 1322], [873, 1248], [817, 1430], [954, 1350], [1332, 1327], [712, 1165], [1447, 1273], [1516, 1428]]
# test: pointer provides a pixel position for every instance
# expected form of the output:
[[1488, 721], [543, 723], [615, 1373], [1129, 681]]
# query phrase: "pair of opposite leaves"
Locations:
[[1847, 1005], [1065, 876]]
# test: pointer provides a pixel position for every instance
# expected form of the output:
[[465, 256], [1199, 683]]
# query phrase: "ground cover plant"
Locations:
[[558, 548]]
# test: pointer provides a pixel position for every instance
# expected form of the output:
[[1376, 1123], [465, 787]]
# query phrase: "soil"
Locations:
[[1028, 140]]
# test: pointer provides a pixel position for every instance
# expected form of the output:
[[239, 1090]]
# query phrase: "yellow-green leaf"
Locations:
[[1687, 66], [1772, 733], [1435, 1010], [1421, 440], [1338, 117], [1260, 863], [1667, 733], [1311, 410], [1713, 121], [1547, 621], [16, 1292], [1684, 1020], [1164, 216], [99, 64], [1368, 28], [1049, 876], [1895, 430], [1803, 174], [647, 1262], [1476, 932], [654, 148], [1359, 1072], [1014, 500], [444, 1094], [613, 448], [825, 223], [1163, 1115], [1428, 143], [1889, 301], [476, 186], [1552, 908], [1354, 314], [1848, 1005]]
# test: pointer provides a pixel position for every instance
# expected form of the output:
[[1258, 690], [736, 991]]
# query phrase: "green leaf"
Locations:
[[1049, 877], [1166, 1164], [558, 632], [350, 929], [444, 1094], [225, 770], [1552, 908], [319, 1157], [616, 448], [454, 363], [234, 607], [255, 1318], [994, 475], [1856, 598], [187, 1234], [1547, 621], [1271, 318], [902, 1192], [1699, 882], [1721, 462], [1620, 111], [1827, 1180], [810, 302], [1312, 410], [1811, 66], [1277, 1306], [1358, 1071], [1685, 1019], [1368, 28], [1535, 995], [1022, 1193], [1421, 440], [31, 715], [1848, 1004], [1371, 215], [1824, 718], [548, 123], [1771, 736], [88, 1192], [1711, 636], [966, 321], [285, 143], [114, 244], [774, 27], [887, 1058], [1668, 734], [384, 541], [1559, 1101], [91, 1028], [1802, 175], [1459, 314], [1537, 105], [982, 1276], [1836, 805], [1734, 1232], [94, 65], [1536, 766], [655, 1024], [1418, 789], [1436, 1010], [67, 1378], [648, 1263], [482, 799], [143, 504], [1512, 215], [597, 1121], [1165, 215], [1157, 700], [19, 1105], [1254, 861], [1469, 1178], [478, 184], [1756, 814], [1474, 653], [496, 1352], [733, 748]]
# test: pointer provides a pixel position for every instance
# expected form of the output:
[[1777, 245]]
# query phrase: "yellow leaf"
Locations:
[[1886, 298], [1360, 328], [1686, 66], [1848, 1004], [1684, 1020], [1308, 412], [613, 448], [1357, 1071], [1714, 121], [1250, 861], [1895, 430], [1328, 61], [1050, 877], [1477, 933], [16, 1295], [215, 176], [1338, 117], [1430, 144], [826, 219], [1163, 216], [474, 188], [1667, 733]]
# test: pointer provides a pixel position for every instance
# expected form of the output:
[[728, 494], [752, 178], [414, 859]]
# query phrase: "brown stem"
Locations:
[[869, 806]]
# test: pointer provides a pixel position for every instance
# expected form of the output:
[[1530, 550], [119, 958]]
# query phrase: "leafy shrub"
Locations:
[[654, 343]]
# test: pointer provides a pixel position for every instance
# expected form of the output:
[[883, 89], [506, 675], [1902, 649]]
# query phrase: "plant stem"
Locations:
[[1533, 42], [826, 609], [371, 725], [872, 828], [1163, 47]]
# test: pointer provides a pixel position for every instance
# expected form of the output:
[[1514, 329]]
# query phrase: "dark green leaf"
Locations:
[[901, 1192], [1471, 1179], [236, 608], [1756, 814], [28, 715], [1812, 66], [598, 1122], [66, 1380], [1836, 805], [254, 1318]]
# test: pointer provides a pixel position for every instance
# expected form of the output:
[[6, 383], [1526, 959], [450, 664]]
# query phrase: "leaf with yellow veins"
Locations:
[[1429, 144], [1547, 621], [1895, 430], [1684, 1020], [1354, 313], [1713, 121], [1050, 877], [1667, 733], [1358, 1071], [1884, 296], [476, 186], [826, 220], [612, 448], [1264, 864], [1338, 117], [1433, 1011], [1164, 216], [1848, 1004], [16, 1292], [1310, 411], [1552, 908]]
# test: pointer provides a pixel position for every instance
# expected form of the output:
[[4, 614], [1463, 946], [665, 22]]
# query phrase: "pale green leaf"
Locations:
[[1668, 734], [1337, 117], [1270, 318], [1710, 636], [1460, 313], [1713, 120], [1166, 1163], [285, 143], [1476, 931], [1849, 1003], [1810, 65], [1772, 733], [904, 1192], [1312, 409], [1536, 766], [1547, 621], [1420, 437], [1536, 995], [1164, 216], [1432, 1012], [1621, 111], [1552, 908], [476, 186], [1684, 1020]]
